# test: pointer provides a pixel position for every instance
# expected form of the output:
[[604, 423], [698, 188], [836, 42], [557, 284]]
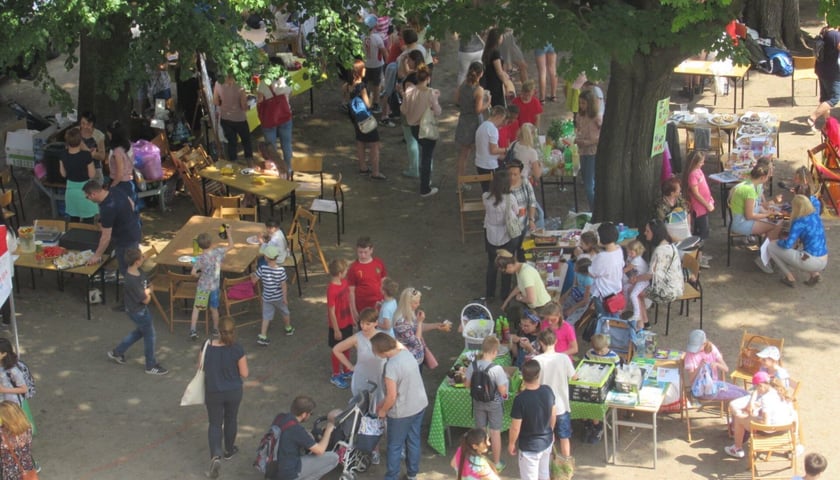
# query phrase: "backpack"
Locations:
[[269, 448], [510, 155], [779, 62], [27, 377], [482, 386], [358, 109]]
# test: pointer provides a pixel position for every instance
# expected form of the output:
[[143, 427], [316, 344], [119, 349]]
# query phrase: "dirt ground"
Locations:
[[99, 420]]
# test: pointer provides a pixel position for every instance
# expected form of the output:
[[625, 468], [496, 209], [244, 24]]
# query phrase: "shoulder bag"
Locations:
[[194, 393], [512, 223], [274, 111], [666, 286], [428, 122]]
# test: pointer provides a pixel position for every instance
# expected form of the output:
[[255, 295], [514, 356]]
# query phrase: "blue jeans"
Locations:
[[587, 169], [427, 149], [284, 133], [404, 432], [145, 330]]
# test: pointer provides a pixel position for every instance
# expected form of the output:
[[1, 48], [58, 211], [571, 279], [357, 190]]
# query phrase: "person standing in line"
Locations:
[[225, 368], [137, 295], [487, 150], [375, 55], [417, 101], [533, 417], [404, 405], [232, 101]]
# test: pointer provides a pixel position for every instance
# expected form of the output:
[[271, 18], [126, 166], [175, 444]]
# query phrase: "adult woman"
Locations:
[[225, 366], [747, 217], [498, 204], [232, 101], [525, 150], [665, 272], [369, 140], [671, 200], [525, 201], [15, 442], [413, 60], [547, 66], [417, 101], [807, 228], [77, 167], [530, 288], [767, 404], [12, 384], [368, 367], [409, 323], [470, 100], [269, 89], [121, 161], [496, 80], [588, 131], [700, 352], [93, 140]]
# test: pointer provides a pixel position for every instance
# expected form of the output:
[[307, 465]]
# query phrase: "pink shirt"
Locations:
[[697, 178], [565, 335], [693, 360]]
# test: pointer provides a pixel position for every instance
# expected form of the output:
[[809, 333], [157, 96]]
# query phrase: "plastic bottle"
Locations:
[[569, 163], [549, 279], [498, 327], [196, 248], [505, 330]]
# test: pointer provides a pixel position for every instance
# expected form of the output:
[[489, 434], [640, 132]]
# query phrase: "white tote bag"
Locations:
[[194, 393]]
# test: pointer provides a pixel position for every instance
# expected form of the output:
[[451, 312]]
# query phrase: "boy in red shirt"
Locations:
[[365, 278], [339, 317], [530, 107], [510, 129]]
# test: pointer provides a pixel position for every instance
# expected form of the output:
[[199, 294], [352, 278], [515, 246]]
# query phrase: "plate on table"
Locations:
[[723, 120], [751, 118], [186, 259], [753, 130], [689, 119], [253, 240], [247, 171]]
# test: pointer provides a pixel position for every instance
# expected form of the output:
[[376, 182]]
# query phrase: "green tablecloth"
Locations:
[[588, 411]]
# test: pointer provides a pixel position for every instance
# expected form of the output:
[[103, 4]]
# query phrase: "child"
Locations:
[[552, 318], [470, 461], [815, 465], [339, 316], [636, 265], [524, 346], [388, 307], [137, 296], [490, 415], [510, 128], [606, 268], [530, 107], [274, 237], [274, 292], [699, 196], [588, 247], [364, 278], [600, 351], [576, 299], [207, 268]]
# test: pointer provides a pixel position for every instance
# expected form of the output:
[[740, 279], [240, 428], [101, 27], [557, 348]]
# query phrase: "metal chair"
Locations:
[[334, 206]]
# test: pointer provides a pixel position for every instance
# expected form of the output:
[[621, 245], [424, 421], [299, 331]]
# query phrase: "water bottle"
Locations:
[[196, 248], [567, 158]]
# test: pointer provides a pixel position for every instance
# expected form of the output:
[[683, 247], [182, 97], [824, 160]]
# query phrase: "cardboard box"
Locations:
[[25, 147]]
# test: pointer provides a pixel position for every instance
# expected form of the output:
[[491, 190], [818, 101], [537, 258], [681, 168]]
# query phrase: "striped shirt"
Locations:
[[273, 279]]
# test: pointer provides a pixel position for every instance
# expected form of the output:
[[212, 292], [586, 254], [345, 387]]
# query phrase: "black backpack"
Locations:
[[269, 449], [482, 386]]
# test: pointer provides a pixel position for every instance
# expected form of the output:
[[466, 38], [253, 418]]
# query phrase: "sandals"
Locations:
[[813, 280], [378, 176], [551, 99], [812, 124], [789, 283], [364, 172]]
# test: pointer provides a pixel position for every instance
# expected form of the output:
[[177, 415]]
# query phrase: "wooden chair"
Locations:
[[752, 343], [334, 206], [692, 290], [158, 281], [304, 225], [308, 172], [242, 213], [7, 181], [229, 284], [7, 203], [803, 69], [793, 392], [697, 404], [217, 202], [732, 237], [826, 178], [767, 440], [471, 204], [293, 240], [183, 287]]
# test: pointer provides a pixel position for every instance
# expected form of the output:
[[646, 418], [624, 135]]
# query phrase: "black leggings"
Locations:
[[222, 410]]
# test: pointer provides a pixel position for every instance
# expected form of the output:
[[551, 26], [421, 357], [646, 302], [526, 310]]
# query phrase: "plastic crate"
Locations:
[[592, 381]]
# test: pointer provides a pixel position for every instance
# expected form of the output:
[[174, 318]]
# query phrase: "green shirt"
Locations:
[[743, 192], [528, 276]]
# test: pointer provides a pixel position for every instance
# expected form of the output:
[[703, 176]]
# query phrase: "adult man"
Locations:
[[487, 150], [555, 371], [532, 421], [404, 404], [829, 74], [120, 224], [294, 438]]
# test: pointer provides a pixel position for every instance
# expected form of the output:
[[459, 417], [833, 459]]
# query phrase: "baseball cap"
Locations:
[[770, 352], [696, 339], [371, 21], [761, 377], [271, 252]]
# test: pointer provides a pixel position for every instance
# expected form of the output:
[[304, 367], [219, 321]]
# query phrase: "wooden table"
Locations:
[[27, 260], [237, 260], [275, 189], [704, 69]]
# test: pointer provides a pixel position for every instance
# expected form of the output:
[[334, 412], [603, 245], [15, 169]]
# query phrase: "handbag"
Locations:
[[615, 303], [704, 384], [274, 111], [25, 474], [667, 286], [368, 125], [748, 360], [428, 357], [428, 125], [512, 223], [194, 393]]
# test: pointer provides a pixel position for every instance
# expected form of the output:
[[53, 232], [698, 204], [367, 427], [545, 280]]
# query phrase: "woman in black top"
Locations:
[[77, 167], [495, 79], [225, 367]]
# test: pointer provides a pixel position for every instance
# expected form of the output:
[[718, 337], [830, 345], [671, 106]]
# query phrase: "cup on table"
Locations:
[[684, 107]]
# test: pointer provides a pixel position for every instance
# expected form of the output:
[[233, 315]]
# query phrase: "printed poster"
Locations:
[[660, 126]]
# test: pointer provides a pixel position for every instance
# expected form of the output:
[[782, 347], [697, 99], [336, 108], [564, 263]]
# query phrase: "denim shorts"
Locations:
[[548, 48], [563, 425], [741, 225], [204, 299]]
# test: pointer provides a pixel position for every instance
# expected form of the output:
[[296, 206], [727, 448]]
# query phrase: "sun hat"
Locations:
[[696, 339], [271, 252], [371, 21], [769, 352], [761, 377]]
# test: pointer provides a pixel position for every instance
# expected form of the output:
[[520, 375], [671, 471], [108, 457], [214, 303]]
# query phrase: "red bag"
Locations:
[[615, 303], [274, 111]]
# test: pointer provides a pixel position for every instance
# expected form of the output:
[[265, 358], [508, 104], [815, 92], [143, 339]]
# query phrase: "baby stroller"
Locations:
[[357, 433]]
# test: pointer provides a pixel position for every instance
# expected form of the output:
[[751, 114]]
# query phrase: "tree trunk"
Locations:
[[99, 62], [776, 19], [626, 177]]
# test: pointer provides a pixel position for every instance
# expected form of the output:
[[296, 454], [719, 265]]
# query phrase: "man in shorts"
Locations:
[[828, 73], [375, 54]]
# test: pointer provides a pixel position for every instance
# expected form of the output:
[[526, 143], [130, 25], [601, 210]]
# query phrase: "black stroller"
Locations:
[[348, 440]]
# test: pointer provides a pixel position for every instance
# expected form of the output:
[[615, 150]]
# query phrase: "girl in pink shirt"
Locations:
[[699, 196], [552, 317]]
